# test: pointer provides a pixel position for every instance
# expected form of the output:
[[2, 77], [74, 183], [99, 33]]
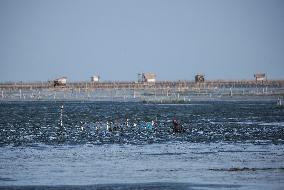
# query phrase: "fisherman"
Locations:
[[148, 125], [108, 127], [127, 123], [279, 102], [115, 126], [177, 128]]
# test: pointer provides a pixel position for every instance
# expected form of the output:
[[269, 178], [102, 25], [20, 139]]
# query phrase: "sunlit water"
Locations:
[[237, 145]]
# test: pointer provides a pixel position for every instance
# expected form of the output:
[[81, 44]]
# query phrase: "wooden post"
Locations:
[[61, 115]]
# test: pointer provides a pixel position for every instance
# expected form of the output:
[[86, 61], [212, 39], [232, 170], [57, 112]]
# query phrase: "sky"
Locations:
[[223, 39]]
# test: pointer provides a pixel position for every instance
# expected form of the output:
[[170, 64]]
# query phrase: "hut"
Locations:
[[260, 77], [199, 78], [140, 78], [60, 81], [95, 78], [148, 77]]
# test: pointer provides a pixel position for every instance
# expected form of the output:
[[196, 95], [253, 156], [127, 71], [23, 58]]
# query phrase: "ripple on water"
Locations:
[[38, 122]]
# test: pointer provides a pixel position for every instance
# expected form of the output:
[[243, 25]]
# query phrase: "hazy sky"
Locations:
[[223, 39]]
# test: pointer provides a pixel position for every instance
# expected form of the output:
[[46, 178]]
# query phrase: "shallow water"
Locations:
[[237, 145]]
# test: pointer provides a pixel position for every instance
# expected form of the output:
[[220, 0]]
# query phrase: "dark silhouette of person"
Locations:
[[177, 128]]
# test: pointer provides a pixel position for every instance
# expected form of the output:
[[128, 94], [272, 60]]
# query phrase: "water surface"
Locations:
[[237, 145]]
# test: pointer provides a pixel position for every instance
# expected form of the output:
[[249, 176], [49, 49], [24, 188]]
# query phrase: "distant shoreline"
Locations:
[[163, 92], [144, 85], [156, 101]]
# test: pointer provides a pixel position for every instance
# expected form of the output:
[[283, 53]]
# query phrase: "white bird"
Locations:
[[108, 127]]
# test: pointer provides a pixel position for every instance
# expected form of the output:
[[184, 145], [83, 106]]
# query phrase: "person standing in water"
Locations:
[[177, 128]]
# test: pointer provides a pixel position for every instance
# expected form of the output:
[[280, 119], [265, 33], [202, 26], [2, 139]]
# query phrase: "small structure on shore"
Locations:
[[95, 78], [199, 78], [260, 77], [60, 81], [147, 77]]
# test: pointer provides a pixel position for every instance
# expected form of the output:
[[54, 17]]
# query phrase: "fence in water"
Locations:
[[158, 91]]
